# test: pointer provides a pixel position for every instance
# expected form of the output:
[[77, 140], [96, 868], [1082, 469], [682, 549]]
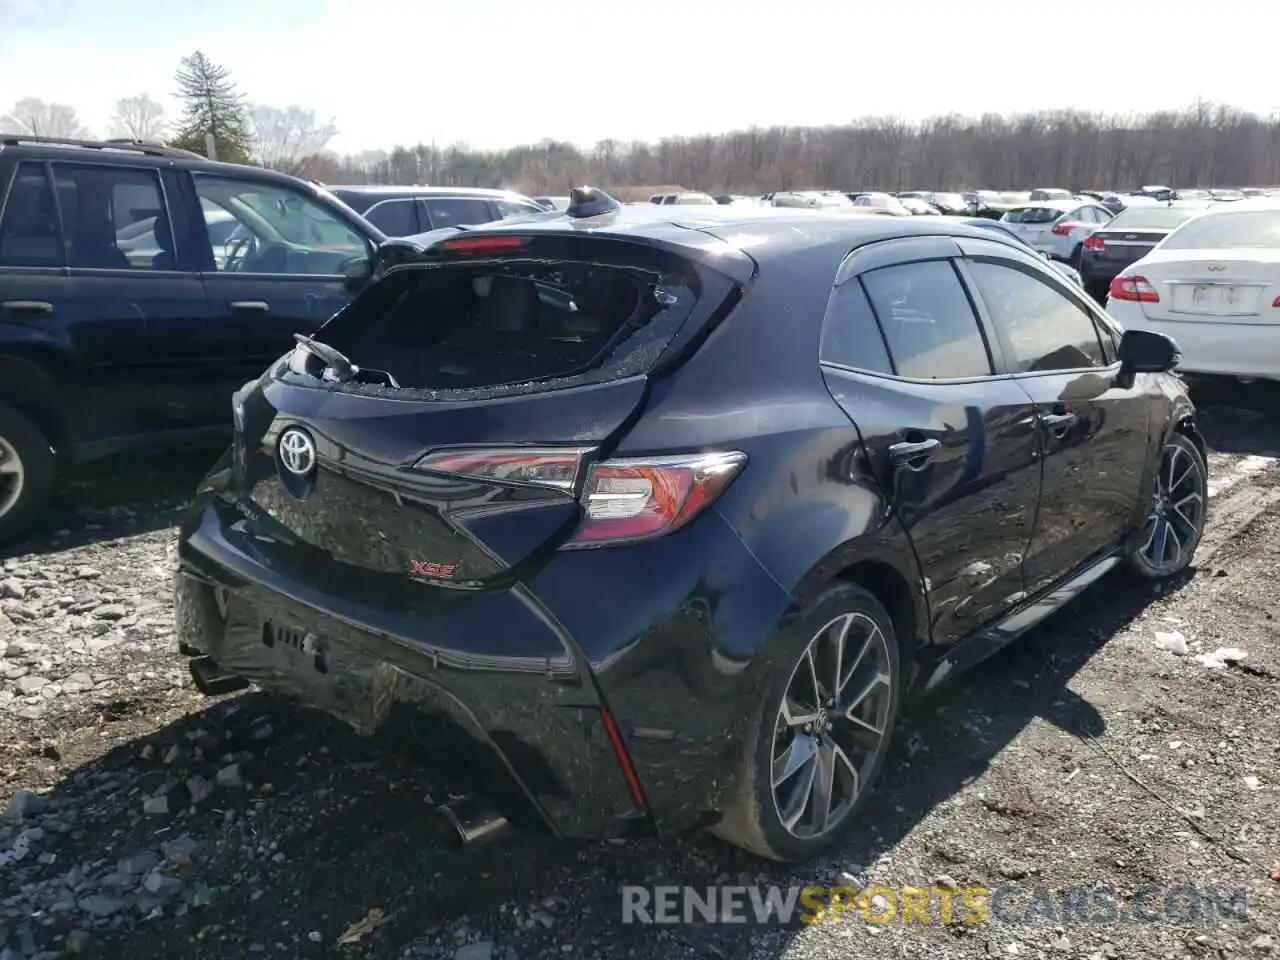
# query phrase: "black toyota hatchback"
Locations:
[[657, 514]]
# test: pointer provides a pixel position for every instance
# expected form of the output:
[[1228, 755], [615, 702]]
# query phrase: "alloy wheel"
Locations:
[[832, 725], [1177, 513], [11, 476]]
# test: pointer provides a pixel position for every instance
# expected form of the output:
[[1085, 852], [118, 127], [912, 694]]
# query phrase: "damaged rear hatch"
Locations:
[[446, 428]]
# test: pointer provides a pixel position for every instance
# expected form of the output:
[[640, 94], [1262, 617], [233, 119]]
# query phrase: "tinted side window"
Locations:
[[395, 218], [851, 337], [509, 208], [1044, 328], [457, 211], [928, 321], [29, 225], [114, 218], [278, 230]]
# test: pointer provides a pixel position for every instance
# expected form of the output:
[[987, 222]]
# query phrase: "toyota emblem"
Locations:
[[297, 452]]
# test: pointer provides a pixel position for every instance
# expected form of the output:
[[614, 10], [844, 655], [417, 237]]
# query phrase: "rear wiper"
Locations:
[[343, 370]]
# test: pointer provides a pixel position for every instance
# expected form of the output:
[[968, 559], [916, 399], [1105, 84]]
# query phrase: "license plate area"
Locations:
[[296, 649], [1215, 299]]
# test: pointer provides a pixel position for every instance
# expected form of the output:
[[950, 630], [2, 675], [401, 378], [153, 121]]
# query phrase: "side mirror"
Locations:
[[1142, 351], [356, 273]]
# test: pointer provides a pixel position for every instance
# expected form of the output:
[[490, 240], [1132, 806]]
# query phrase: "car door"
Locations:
[[286, 268], [1092, 429], [952, 445], [133, 294]]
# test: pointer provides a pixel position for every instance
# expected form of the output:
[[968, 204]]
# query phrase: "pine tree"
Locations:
[[212, 105]]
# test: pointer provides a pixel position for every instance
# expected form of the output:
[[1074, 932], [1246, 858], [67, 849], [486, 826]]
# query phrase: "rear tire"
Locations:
[[1177, 508], [1073, 261], [28, 473], [774, 810]]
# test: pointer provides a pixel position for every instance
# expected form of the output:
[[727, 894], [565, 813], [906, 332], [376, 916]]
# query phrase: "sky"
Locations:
[[494, 73]]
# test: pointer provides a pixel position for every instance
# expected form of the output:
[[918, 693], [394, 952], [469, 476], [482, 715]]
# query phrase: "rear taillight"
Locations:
[[1062, 228], [1133, 288], [628, 500], [550, 467], [492, 244], [1276, 302], [1094, 242], [622, 500]]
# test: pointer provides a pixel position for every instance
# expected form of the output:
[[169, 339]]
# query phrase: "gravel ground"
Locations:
[[1107, 749]]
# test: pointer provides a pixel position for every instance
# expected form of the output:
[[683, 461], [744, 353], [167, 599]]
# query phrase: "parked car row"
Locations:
[[1212, 281]]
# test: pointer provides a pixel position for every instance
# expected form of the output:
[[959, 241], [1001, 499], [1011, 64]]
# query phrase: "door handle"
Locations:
[[258, 306], [914, 455], [1057, 423], [26, 306]]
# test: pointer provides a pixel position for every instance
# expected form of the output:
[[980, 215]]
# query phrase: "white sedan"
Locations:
[[1213, 285], [1057, 228]]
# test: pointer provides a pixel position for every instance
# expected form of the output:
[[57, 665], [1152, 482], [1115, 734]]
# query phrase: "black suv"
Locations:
[[408, 211], [667, 509], [139, 287]]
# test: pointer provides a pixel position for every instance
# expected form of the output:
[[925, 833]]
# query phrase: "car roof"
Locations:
[[1243, 206], [765, 233], [1066, 203], [380, 189]]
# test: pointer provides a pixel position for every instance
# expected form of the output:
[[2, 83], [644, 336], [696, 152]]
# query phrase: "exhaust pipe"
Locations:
[[211, 681], [475, 823]]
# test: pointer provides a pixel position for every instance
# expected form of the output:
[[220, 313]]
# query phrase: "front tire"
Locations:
[[28, 473], [1177, 508], [822, 730]]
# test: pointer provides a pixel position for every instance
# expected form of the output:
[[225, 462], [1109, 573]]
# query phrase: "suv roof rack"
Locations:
[[122, 144]]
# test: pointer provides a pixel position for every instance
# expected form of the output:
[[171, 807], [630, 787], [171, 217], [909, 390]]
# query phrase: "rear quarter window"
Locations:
[[928, 322], [851, 336]]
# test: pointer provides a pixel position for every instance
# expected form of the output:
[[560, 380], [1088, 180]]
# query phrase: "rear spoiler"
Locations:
[[589, 209]]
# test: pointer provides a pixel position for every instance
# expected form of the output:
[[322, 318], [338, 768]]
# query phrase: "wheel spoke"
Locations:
[[813, 675], [847, 675], [796, 715], [1176, 540], [824, 783], [798, 800], [849, 711], [842, 636], [1161, 540], [1175, 454], [842, 761], [1178, 512], [798, 753]]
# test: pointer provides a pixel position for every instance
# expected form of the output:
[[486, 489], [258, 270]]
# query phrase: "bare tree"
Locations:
[[288, 138], [33, 117], [138, 118]]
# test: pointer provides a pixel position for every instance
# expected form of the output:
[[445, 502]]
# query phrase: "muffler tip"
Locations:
[[474, 822]]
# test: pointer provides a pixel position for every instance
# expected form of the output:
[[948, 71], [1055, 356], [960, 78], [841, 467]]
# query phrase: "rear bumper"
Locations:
[[1210, 347], [506, 688]]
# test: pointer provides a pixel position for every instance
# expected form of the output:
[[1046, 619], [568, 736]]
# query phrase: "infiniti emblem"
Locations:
[[1217, 267], [297, 452]]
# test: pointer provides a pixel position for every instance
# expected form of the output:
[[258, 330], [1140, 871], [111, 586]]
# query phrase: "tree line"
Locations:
[[1205, 144], [214, 113]]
